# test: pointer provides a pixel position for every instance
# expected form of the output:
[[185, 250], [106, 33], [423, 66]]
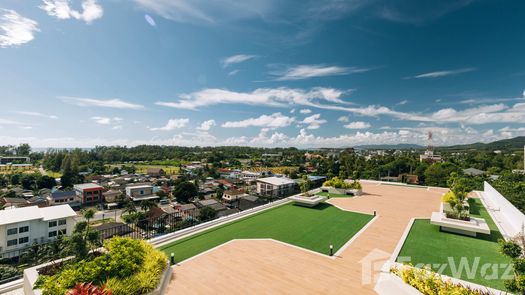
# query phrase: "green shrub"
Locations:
[[129, 267], [430, 283], [336, 182]]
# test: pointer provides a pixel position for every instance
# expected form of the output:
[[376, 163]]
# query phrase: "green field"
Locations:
[[428, 245], [324, 194], [143, 168], [311, 228]]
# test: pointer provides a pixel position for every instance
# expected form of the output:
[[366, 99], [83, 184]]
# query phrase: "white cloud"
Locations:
[[233, 73], [275, 120], [305, 111], [9, 122], [206, 125], [343, 119], [439, 74], [403, 102], [313, 121], [235, 59], [108, 103], [358, 125], [61, 9], [150, 20], [205, 11], [15, 29], [106, 120], [276, 97], [311, 71], [37, 114], [173, 124]]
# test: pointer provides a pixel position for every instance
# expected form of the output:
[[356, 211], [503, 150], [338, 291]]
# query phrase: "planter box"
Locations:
[[342, 191], [310, 201], [31, 276], [469, 228]]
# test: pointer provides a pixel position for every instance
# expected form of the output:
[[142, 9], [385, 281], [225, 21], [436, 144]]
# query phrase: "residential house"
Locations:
[[7, 202], [234, 194], [64, 197], [141, 192], [276, 186], [111, 196], [22, 227], [89, 193], [155, 172], [247, 202], [212, 204], [187, 210]]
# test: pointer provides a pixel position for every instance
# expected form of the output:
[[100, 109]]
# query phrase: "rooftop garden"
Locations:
[[311, 228], [126, 267], [444, 252]]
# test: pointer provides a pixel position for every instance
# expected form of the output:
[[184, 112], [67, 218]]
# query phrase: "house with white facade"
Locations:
[[141, 192], [22, 227], [275, 186]]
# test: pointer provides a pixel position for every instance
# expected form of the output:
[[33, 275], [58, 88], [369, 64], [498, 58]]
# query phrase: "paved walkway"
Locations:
[[267, 267]]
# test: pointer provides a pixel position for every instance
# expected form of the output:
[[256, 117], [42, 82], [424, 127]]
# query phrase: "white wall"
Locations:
[[513, 217]]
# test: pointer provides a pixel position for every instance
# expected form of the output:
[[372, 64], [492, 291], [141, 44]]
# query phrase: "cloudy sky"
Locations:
[[323, 73]]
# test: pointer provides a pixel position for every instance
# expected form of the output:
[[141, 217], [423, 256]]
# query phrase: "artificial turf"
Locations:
[[325, 194], [311, 228], [426, 244]]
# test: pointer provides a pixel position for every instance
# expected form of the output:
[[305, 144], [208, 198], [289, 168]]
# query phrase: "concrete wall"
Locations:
[[513, 218]]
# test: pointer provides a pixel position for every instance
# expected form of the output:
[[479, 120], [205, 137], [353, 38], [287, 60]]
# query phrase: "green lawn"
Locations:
[[427, 244], [311, 228], [325, 194]]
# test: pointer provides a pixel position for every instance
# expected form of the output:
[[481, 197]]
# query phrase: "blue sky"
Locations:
[[325, 73]]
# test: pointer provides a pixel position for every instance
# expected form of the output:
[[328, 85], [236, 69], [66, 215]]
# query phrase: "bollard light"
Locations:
[[331, 250], [374, 212], [172, 258]]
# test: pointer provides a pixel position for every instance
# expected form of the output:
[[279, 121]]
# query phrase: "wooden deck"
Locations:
[[268, 267]]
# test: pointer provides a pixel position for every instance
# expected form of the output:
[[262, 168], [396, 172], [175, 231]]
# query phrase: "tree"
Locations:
[[437, 174], [129, 207], [514, 251], [184, 191], [23, 150], [305, 185], [83, 239], [207, 213], [45, 181], [146, 205]]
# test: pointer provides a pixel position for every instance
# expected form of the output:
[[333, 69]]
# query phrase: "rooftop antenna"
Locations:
[[430, 147]]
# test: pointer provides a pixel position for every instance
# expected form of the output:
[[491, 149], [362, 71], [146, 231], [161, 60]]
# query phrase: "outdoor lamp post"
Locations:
[[172, 258], [331, 250]]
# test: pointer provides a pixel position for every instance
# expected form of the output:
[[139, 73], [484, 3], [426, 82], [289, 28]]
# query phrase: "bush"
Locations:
[[7, 272], [430, 283], [336, 182], [129, 267]]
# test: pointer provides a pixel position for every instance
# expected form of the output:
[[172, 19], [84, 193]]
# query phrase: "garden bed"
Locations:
[[127, 267]]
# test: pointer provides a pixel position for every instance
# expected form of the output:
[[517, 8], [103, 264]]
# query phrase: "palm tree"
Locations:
[[88, 214], [129, 208], [146, 205]]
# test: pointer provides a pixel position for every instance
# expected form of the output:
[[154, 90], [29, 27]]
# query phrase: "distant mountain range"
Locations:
[[515, 143], [401, 146], [510, 144]]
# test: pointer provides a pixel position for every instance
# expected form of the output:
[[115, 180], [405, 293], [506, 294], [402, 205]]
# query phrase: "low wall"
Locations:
[[512, 217]]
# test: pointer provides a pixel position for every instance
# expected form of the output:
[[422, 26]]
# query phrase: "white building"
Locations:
[[275, 186], [142, 192], [22, 227]]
